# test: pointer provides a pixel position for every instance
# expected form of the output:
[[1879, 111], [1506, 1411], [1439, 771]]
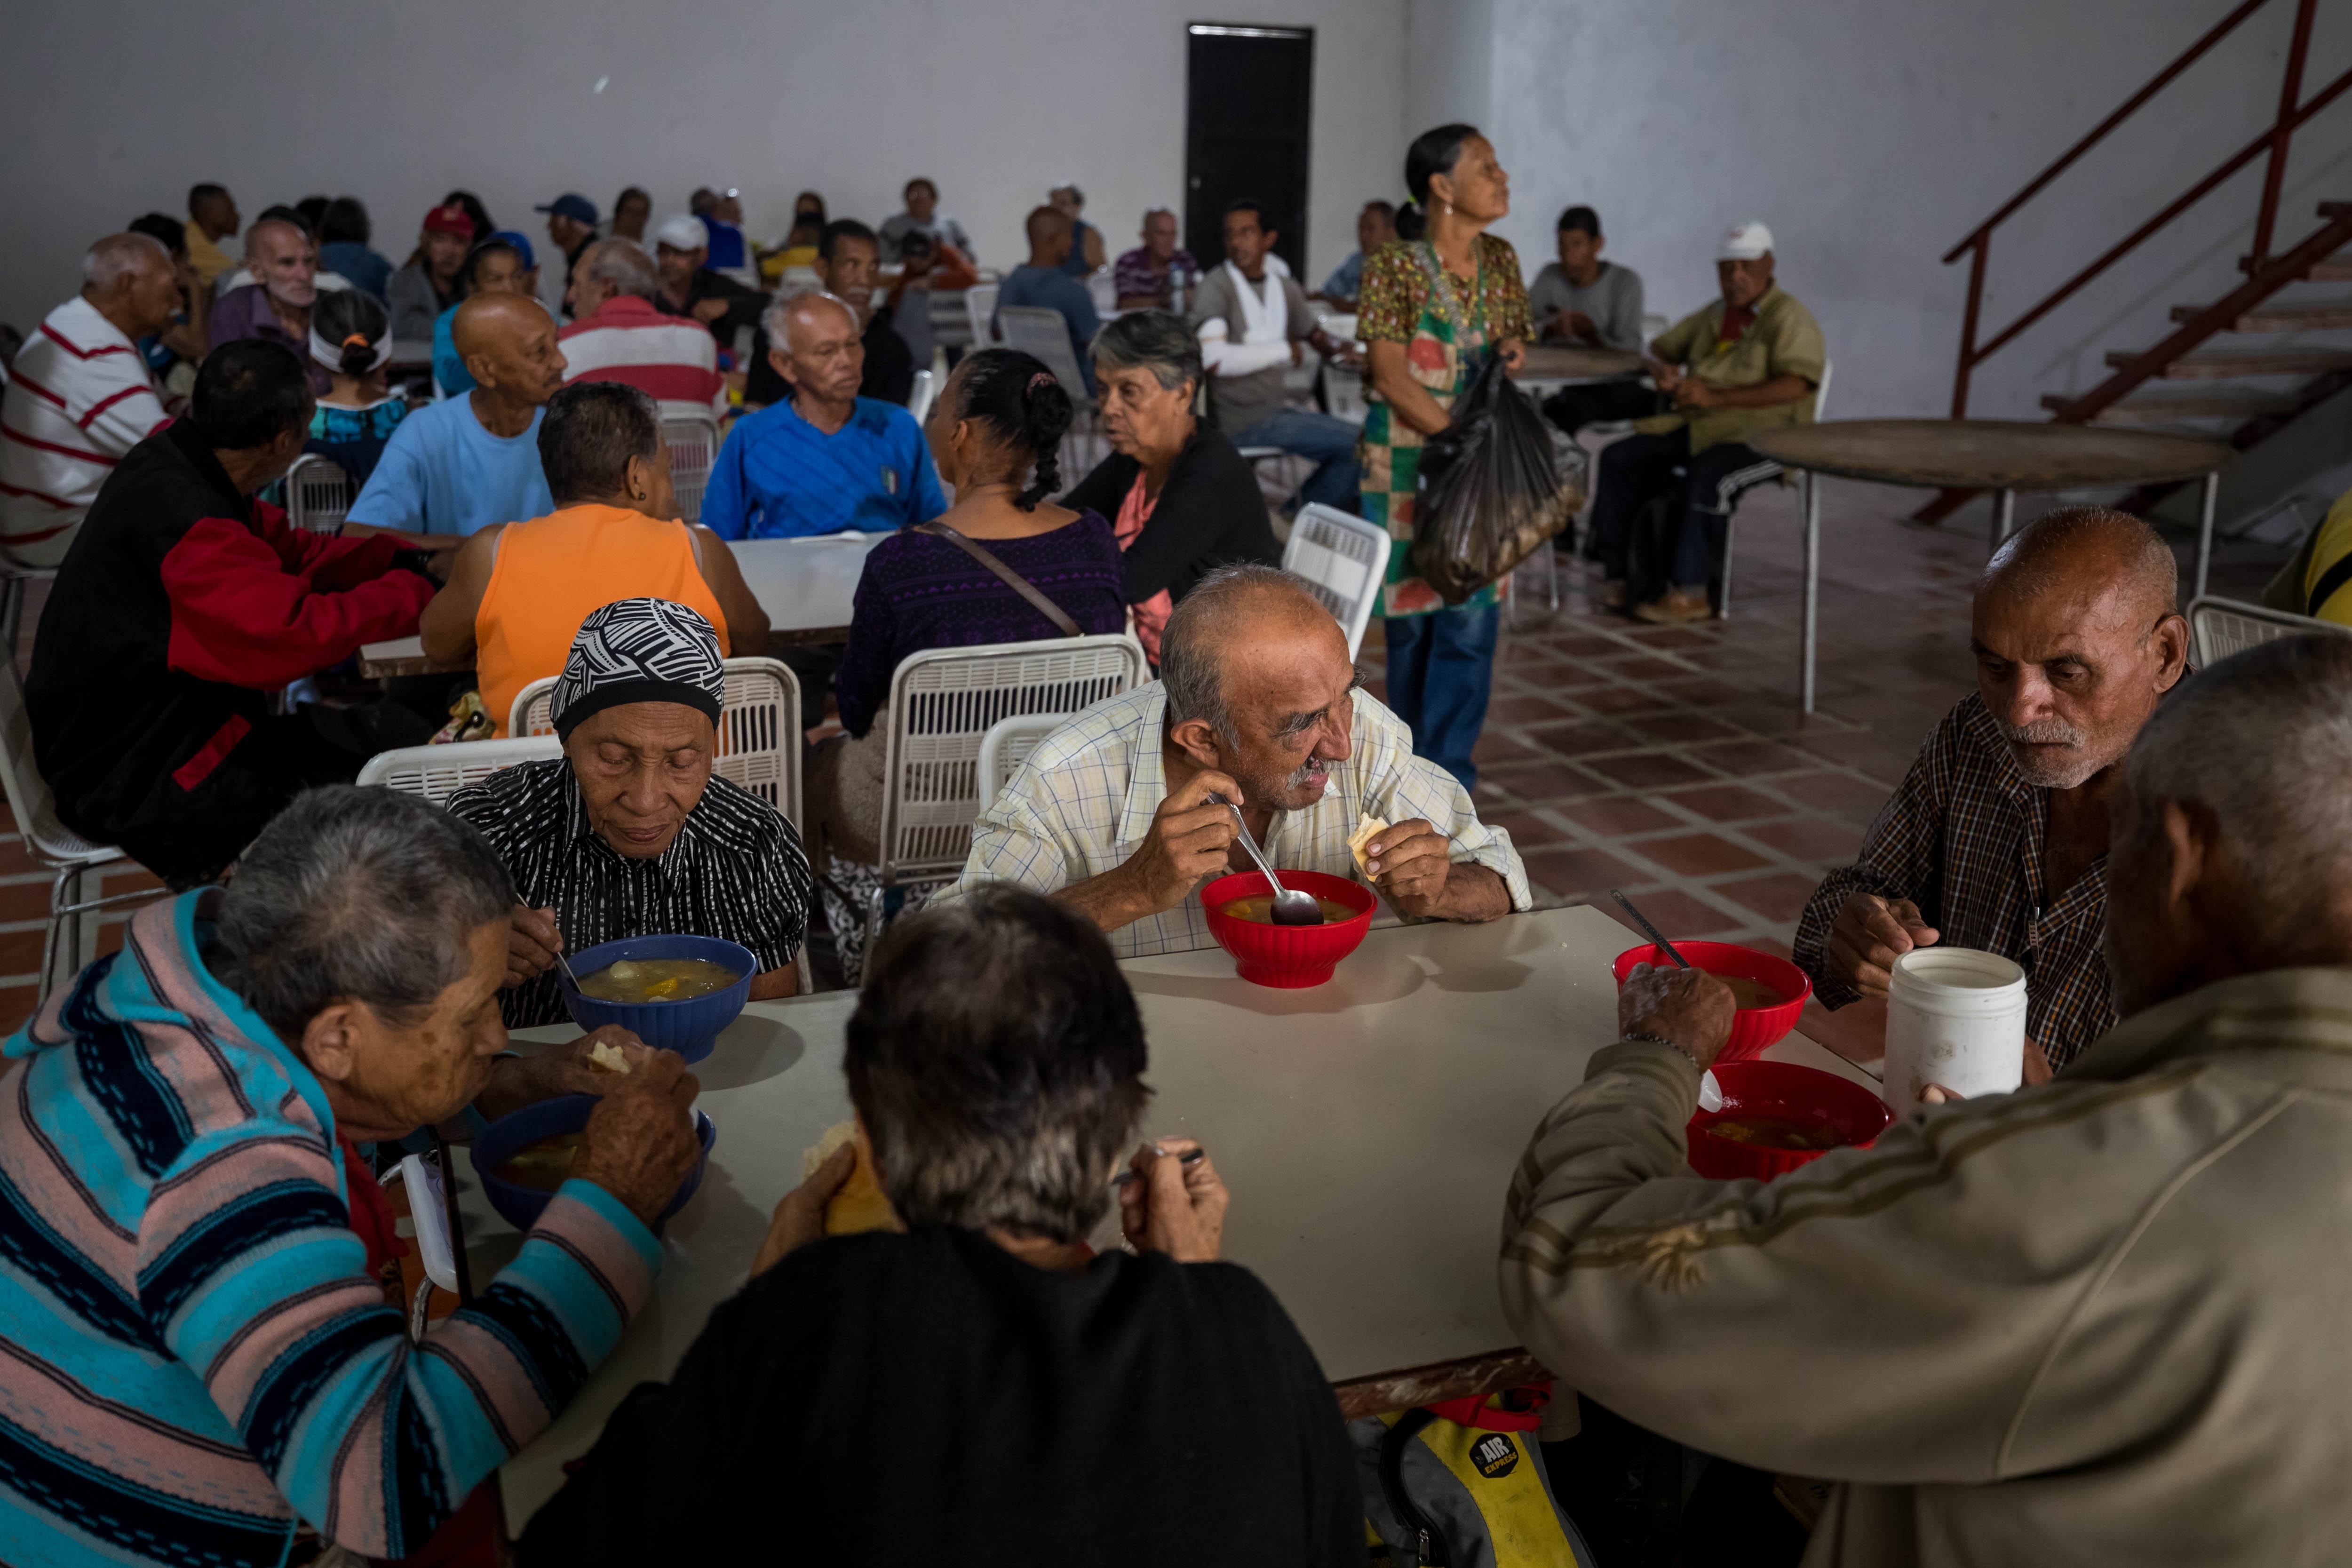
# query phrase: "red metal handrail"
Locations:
[[2291, 112]]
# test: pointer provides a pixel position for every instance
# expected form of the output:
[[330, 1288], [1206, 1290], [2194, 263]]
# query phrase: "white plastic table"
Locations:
[[1366, 1130]]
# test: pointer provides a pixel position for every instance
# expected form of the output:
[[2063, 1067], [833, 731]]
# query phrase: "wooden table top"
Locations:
[[1550, 362], [1989, 453], [1368, 1129]]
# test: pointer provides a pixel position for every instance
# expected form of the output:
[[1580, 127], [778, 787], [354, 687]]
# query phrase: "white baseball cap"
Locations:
[[683, 233], [1746, 242]]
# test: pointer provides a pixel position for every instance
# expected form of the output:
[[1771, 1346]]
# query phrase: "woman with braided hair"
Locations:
[[995, 434]]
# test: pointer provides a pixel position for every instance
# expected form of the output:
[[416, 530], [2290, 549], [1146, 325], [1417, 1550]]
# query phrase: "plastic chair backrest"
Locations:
[[1344, 561], [758, 728], [2219, 627], [1822, 392], [979, 310], [437, 772], [1007, 746], [1035, 330], [943, 703], [693, 441], [1343, 389], [36, 810], [318, 494], [918, 401]]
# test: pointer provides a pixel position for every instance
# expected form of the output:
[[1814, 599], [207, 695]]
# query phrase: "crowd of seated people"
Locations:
[[503, 262], [618, 333]]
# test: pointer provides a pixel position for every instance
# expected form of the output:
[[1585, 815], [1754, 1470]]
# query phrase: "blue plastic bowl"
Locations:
[[521, 1206], [689, 1028]]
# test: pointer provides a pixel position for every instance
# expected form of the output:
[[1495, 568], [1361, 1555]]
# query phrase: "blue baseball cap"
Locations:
[[573, 206], [522, 242]]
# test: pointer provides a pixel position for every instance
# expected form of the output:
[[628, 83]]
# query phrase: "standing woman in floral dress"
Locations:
[[1433, 308]]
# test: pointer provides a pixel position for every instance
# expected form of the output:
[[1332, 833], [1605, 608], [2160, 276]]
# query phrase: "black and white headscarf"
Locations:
[[639, 650]]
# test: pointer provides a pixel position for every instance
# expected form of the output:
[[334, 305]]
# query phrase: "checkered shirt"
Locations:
[[1962, 838], [1083, 804]]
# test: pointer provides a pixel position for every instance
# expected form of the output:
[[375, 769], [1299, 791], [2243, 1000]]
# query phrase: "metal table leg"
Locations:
[[2211, 497], [2004, 518], [1812, 503]]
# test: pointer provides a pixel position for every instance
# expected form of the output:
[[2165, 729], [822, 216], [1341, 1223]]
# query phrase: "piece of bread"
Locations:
[[860, 1204], [607, 1056], [1368, 829]]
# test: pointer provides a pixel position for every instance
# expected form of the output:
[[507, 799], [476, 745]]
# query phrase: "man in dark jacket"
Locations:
[[983, 1389], [184, 607]]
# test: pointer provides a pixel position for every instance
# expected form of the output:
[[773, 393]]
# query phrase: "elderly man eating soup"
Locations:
[[1119, 811], [2097, 1322], [200, 1355], [629, 833]]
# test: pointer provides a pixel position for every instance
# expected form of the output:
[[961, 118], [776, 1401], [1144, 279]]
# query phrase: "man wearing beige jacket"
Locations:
[[2099, 1321]]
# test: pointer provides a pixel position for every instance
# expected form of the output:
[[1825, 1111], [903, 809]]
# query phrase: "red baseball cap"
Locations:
[[451, 220]]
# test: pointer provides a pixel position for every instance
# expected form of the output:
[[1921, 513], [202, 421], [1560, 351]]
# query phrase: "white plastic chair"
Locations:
[[979, 310], [918, 401], [693, 441], [943, 703], [758, 728], [2218, 627], [1007, 746], [318, 494], [437, 772], [1343, 392], [1344, 560], [49, 843]]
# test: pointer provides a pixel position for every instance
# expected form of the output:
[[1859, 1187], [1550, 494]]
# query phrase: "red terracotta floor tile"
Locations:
[[1502, 746], [1567, 872], [1833, 792], [1676, 913], [1526, 709], [1727, 803], [1542, 781], [1678, 727], [1698, 854], [1526, 830], [1584, 739], [1646, 770], [1614, 815], [1752, 759], [1779, 897], [1808, 839], [1613, 700]]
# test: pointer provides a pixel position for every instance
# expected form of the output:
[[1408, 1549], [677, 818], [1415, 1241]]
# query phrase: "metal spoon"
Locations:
[[1649, 931], [1291, 908]]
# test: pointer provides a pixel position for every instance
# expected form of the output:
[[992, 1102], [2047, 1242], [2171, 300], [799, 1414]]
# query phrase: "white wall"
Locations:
[[117, 109], [1872, 137]]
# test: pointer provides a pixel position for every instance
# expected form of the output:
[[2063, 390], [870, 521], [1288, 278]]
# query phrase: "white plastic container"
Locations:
[[1954, 1017]]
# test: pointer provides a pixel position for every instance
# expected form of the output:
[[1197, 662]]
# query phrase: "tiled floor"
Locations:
[[1669, 761]]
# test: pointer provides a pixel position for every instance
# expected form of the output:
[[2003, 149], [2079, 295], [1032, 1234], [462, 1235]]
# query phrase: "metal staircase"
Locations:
[[2259, 308]]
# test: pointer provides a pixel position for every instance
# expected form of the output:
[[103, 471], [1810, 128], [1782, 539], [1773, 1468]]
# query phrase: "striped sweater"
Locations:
[[192, 1350]]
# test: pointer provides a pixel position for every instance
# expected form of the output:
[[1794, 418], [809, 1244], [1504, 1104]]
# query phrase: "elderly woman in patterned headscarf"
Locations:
[[629, 833]]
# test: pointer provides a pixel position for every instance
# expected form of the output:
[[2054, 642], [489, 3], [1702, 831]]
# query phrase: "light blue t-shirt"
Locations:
[[780, 477], [443, 473]]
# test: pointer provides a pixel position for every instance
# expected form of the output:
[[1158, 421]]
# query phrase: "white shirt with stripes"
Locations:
[[1084, 803], [78, 397]]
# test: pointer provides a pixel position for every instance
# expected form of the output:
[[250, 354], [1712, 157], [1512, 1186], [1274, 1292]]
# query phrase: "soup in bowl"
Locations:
[[1240, 912], [1771, 990], [663, 989]]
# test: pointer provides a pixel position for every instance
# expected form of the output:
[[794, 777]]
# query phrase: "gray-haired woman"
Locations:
[[983, 1388], [195, 1233], [1180, 496]]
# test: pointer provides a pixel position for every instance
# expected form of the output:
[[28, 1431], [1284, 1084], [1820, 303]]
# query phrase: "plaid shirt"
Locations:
[[1083, 804], [1962, 838]]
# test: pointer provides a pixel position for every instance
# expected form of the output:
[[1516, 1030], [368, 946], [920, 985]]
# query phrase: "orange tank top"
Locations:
[[553, 571]]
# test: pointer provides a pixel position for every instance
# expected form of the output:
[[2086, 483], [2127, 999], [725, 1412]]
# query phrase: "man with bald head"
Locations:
[[1041, 283], [80, 396], [1117, 812], [826, 459], [463, 463], [283, 259], [1998, 838]]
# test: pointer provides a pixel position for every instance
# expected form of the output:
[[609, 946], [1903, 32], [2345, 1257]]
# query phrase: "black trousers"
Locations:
[[1600, 403], [1705, 488]]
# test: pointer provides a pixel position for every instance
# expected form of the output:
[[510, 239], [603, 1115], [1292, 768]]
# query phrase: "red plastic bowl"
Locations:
[[1780, 1088], [1289, 957], [1754, 1030]]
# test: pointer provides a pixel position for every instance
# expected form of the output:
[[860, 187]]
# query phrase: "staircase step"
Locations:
[[2323, 315], [2336, 269], [2234, 406], [2216, 366]]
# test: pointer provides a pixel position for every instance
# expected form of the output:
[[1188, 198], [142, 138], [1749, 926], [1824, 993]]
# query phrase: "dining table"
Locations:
[[1366, 1127], [2003, 455], [804, 585]]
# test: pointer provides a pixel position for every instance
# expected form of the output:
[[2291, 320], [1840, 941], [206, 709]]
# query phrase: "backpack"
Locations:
[[1460, 1484]]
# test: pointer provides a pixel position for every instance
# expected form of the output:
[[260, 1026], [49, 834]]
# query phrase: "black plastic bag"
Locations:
[[1490, 494]]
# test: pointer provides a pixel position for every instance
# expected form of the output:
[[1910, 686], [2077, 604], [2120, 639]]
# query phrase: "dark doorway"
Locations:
[[1249, 99]]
